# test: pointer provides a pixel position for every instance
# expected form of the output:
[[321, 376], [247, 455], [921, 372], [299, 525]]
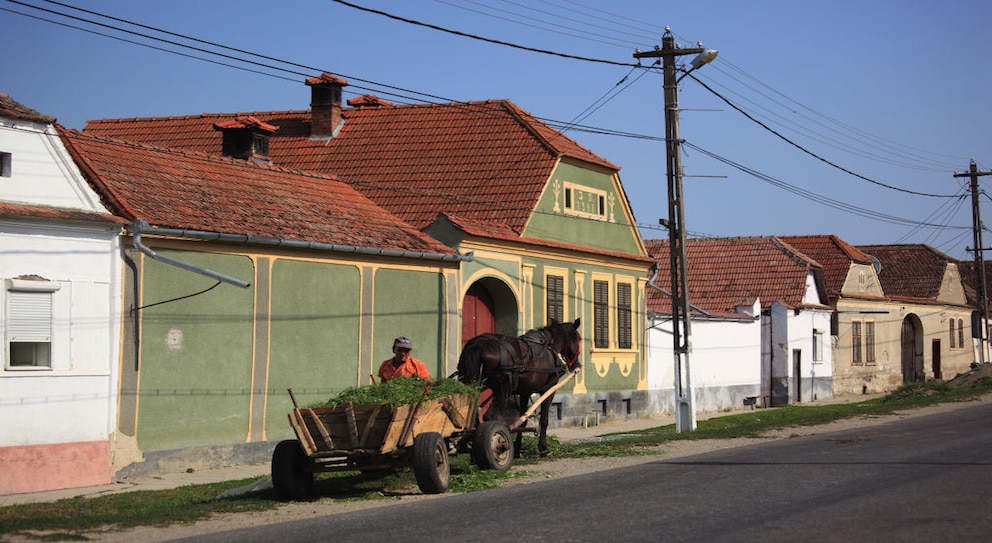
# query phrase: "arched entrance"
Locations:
[[489, 306], [912, 349]]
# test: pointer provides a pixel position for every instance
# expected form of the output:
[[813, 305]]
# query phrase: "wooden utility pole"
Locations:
[[685, 420], [976, 217]]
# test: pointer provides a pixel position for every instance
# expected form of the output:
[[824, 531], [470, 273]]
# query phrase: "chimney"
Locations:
[[325, 105], [246, 137]]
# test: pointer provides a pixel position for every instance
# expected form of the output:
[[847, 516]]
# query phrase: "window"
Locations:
[[29, 324], [961, 333], [556, 298], [584, 201], [624, 327], [601, 314], [870, 342], [6, 166], [950, 332], [817, 345], [856, 353]]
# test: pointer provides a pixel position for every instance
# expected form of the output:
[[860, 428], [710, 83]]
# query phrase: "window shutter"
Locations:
[[30, 317], [624, 332], [601, 314]]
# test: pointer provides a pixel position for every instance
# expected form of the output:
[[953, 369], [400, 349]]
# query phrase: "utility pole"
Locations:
[[976, 217], [685, 420]]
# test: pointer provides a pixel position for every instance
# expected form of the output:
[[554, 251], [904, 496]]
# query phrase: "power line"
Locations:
[[812, 154], [565, 126], [480, 38], [830, 202]]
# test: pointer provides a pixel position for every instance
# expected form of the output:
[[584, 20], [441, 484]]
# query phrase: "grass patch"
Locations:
[[72, 519], [81, 519]]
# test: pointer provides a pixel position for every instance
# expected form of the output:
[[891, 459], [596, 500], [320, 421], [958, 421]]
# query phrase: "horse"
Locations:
[[521, 366]]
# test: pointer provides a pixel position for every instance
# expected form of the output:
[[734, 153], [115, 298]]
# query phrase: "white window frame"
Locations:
[[29, 319], [817, 345]]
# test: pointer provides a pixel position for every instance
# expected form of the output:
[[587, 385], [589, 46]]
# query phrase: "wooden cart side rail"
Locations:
[[349, 413], [328, 442], [302, 432], [367, 430]]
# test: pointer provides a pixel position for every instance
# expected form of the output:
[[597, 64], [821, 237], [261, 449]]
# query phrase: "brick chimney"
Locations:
[[325, 105], [246, 137]]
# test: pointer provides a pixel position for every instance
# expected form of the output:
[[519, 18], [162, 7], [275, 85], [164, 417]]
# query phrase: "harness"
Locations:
[[511, 365]]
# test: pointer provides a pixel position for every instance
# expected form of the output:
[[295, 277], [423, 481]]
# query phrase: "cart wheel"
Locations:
[[492, 447], [430, 463], [290, 477]]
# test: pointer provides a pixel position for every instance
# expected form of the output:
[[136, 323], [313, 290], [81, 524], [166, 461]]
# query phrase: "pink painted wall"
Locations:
[[34, 468]]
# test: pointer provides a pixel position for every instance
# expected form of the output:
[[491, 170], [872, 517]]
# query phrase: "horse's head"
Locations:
[[567, 341]]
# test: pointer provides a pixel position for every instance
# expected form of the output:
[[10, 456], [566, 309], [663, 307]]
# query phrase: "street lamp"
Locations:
[[685, 420]]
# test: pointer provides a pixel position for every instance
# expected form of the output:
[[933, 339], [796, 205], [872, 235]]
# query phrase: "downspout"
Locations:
[[140, 226], [654, 275]]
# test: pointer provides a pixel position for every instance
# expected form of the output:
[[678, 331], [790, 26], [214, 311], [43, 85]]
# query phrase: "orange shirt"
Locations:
[[411, 368]]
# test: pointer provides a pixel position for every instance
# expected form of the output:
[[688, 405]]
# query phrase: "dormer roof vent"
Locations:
[[369, 100], [246, 138]]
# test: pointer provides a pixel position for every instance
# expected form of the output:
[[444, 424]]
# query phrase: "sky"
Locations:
[[847, 117]]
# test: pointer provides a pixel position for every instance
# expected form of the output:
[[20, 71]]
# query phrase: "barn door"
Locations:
[[478, 313]]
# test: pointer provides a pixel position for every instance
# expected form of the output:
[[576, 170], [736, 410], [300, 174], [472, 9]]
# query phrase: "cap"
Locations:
[[402, 343]]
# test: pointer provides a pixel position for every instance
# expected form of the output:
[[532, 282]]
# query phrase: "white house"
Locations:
[[60, 303], [760, 324]]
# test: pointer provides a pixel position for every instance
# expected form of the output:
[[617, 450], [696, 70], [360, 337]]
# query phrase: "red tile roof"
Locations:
[[12, 109], [485, 161], [187, 190], [969, 278], [725, 273], [834, 254], [911, 270]]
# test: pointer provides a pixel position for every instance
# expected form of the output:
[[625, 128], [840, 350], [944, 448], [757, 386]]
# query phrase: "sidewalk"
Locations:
[[258, 471]]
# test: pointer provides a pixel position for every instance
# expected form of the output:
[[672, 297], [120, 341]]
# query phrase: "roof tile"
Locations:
[[725, 273], [188, 190]]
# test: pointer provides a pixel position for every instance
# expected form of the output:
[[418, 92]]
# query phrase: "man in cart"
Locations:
[[403, 364]]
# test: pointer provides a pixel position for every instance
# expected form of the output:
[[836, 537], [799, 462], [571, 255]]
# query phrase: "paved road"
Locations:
[[918, 479]]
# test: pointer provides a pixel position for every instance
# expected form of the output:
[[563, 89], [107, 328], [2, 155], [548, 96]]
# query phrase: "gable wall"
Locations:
[[579, 221]]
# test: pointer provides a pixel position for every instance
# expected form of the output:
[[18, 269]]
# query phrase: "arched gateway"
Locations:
[[489, 306], [912, 349]]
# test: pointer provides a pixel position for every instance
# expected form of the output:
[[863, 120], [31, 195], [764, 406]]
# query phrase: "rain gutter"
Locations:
[[141, 226]]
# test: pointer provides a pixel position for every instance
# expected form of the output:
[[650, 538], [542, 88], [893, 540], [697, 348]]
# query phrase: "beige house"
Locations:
[[900, 313], [928, 300]]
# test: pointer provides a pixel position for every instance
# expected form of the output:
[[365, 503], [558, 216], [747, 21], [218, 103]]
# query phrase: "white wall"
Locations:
[[723, 361], [74, 400]]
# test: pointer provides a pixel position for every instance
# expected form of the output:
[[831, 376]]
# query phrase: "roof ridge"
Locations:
[[209, 157]]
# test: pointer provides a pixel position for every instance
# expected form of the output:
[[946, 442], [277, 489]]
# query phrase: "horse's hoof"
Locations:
[[545, 453]]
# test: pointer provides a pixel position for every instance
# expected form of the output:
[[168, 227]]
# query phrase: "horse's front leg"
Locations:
[[542, 439]]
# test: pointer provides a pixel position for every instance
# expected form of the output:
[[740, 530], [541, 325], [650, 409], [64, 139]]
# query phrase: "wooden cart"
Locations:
[[375, 437]]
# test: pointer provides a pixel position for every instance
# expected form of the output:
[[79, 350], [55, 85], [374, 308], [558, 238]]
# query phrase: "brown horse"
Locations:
[[521, 366]]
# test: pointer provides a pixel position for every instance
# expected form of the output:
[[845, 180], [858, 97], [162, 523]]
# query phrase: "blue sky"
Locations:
[[895, 92]]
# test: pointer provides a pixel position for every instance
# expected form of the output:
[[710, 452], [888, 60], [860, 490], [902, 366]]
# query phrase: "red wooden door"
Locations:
[[478, 313]]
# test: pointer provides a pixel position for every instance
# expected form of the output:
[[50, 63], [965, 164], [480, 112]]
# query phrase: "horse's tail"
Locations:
[[470, 362]]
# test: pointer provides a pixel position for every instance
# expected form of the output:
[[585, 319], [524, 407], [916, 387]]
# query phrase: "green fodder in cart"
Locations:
[[400, 391]]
